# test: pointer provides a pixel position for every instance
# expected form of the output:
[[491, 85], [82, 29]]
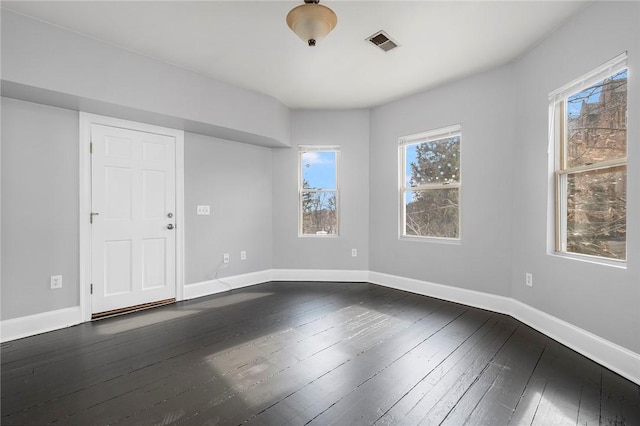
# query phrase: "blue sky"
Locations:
[[411, 153], [573, 108], [319, 169]]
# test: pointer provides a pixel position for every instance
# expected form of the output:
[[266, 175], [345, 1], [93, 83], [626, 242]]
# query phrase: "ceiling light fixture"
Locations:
[[311, 21]]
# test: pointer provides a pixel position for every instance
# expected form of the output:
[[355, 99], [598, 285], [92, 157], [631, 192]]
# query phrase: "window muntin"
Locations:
[[591, 165], [430, 184], [318, 190]]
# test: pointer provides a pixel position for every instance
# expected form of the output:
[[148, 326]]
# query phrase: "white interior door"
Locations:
[[133, 204]]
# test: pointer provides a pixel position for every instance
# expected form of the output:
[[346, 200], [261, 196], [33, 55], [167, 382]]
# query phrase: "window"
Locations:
[[589, 118], [430, 184], [318, 190]]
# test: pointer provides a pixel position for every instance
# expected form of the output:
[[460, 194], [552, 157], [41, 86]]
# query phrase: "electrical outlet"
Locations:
[[203, 210], [354, 252], [243, 255], [56, 281], [225, 258], [528, 279]]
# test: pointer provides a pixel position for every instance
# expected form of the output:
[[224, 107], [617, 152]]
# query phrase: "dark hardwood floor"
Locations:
[[319, 353]]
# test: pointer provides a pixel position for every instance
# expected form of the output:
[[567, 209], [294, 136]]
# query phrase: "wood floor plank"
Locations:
[[320, 394], [453, 377], [390, 382], [516, 357], [507, 376], [269, 388], [200, 360], [89, 381], [620, 400], [291, 353], [119, 359], [105, 331], [563, 389]]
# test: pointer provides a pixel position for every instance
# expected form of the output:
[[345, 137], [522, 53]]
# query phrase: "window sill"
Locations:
[[619, 264], [451, 241]]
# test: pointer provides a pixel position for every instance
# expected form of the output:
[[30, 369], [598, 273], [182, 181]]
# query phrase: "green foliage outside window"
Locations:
[[431, 188]]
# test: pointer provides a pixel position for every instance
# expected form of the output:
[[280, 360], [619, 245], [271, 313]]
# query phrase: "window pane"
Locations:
[[319, 169], [596, 212], [597, 122], [432, 213], [319, 213], [433, 162]]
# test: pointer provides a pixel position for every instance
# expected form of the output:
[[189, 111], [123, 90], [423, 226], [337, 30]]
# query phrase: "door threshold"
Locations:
[[129, 309]]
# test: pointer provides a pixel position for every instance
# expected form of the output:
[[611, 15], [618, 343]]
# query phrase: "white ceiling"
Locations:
[[248, 44]]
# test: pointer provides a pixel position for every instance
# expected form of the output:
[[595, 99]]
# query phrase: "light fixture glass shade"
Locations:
[[311, 21]]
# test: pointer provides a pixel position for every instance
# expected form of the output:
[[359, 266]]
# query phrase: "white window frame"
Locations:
[[417, 138], [560, 171], [318, 148]]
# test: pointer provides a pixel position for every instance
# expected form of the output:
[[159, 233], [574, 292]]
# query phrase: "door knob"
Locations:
[[170, 226]]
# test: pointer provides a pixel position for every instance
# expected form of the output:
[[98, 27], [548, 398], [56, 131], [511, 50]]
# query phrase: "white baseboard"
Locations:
[[206, 288], [319, 275], [30, 325], [478, 299], [613, 356], [604, 352]]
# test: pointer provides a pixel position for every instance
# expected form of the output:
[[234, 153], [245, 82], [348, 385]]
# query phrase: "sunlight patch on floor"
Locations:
[[132, 321], [246, 367], [228, 300]]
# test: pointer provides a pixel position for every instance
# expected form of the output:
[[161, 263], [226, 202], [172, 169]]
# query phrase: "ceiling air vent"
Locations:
[[383, 41]]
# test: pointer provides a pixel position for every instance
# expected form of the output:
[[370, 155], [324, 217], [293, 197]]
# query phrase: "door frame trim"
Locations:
[[86, 120]]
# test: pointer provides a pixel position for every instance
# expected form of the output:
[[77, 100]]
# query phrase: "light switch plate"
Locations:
[[203, 210]]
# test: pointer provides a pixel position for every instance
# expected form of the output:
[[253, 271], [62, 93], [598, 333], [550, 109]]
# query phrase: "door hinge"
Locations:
[[91, 215], [91, 289], [90, 147]]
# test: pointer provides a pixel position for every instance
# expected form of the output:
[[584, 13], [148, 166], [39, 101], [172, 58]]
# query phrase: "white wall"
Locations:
[[504, 117], [601, 299], [350, 130], [48, 65], [39, 208], [40, 61], [40, 196], [483, 105], [235, 180]]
